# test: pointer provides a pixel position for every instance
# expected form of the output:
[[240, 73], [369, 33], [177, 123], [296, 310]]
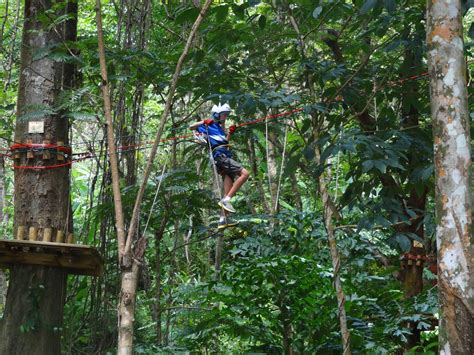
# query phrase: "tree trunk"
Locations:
[[329, 214], [255, 174], [158, 307], [36, 296], [272, 170], [452, 145]]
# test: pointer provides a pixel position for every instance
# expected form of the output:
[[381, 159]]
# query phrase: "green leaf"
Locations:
[[404, 242], [188, 15], [367, 165], [368, 5], [262, 21], [221, 12], [254, 2], [380, 165], [317, 11]]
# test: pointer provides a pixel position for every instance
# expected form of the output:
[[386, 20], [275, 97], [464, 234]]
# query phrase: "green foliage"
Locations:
[[374, 132]]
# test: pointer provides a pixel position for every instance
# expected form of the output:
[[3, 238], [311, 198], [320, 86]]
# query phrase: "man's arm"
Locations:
[[196, 124], [199, 123], [231, 131]]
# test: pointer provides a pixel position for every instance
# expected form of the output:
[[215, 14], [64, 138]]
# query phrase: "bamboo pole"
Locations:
[[119, 219], [130, 268], [169, 100]]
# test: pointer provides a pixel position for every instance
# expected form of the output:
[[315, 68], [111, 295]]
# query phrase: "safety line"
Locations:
[[124, 148]]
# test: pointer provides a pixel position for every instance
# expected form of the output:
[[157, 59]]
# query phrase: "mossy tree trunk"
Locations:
[[34, 307], [452, 148]]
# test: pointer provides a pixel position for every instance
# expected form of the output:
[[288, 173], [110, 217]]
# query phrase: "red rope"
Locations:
[[414, 77], [86, 155], [60, 148]]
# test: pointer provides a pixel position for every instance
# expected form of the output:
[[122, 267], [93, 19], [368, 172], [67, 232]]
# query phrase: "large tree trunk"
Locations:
[[452, 146], [36, 295]]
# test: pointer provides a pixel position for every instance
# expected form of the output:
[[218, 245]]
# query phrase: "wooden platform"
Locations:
[[75, 259]]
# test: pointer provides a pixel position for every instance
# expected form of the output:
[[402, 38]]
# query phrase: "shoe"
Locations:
[[227, 206], [228, 222]]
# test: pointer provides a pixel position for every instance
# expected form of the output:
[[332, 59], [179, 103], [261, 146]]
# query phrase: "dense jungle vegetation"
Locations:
[[332, 107]]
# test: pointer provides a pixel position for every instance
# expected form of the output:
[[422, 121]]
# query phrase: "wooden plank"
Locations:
[[31, 243], [59, 236], [33, 233], [20, 234], [47, 234], [75, 259]]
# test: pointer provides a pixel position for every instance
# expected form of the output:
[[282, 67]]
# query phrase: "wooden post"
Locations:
[[46, 152], [33, 233], [47, 233], [60, 236], [20, 233], [70, 238], [60, 155], [30, 154]]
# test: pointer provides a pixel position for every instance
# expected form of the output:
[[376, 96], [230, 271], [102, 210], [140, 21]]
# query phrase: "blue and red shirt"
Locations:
[[217, 138]]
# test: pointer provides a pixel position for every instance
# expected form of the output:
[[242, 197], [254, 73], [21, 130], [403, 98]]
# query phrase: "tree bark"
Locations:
[[129, 259], [329, 209], [329, 214], [36, 296], [255, 174], [452, 149], [272, 169]]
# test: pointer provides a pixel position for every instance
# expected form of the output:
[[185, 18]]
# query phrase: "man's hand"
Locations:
[[232, 129], [208, 121]]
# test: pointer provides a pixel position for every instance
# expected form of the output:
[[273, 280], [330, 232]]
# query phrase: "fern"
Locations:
[[82, 116], [35, 111]]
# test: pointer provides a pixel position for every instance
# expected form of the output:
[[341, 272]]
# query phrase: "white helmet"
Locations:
[[215, 109], [225, 108]]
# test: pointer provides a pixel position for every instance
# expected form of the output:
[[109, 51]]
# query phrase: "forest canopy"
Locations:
[[334, 247]]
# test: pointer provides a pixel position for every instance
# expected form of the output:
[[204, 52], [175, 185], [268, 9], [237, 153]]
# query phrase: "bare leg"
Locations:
[[227, 186], [244, 175]]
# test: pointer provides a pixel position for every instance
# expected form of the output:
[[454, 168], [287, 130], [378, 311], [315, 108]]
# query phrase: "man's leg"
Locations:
[[227, 180], [227, 184], [235, 186], [224, 220]]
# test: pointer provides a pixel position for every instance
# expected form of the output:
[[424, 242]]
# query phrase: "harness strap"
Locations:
[[220, 146]]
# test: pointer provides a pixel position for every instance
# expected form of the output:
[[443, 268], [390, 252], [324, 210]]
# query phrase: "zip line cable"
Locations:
[[155, 198], [214, 168], [281, 168], [7, 153]]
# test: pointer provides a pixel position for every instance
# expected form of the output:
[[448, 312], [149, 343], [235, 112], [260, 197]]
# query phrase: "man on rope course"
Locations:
[[232, 172]]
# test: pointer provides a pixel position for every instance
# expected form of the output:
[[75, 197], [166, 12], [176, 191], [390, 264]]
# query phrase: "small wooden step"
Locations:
[[75, 259]]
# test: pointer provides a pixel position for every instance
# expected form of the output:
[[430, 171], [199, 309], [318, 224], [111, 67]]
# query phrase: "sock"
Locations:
[[226, 199]]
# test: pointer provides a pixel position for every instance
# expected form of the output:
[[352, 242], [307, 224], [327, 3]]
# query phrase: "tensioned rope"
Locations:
[[66, 150], [22, 147]]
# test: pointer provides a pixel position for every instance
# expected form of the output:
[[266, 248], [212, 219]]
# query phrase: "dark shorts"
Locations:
[[228, 166]]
